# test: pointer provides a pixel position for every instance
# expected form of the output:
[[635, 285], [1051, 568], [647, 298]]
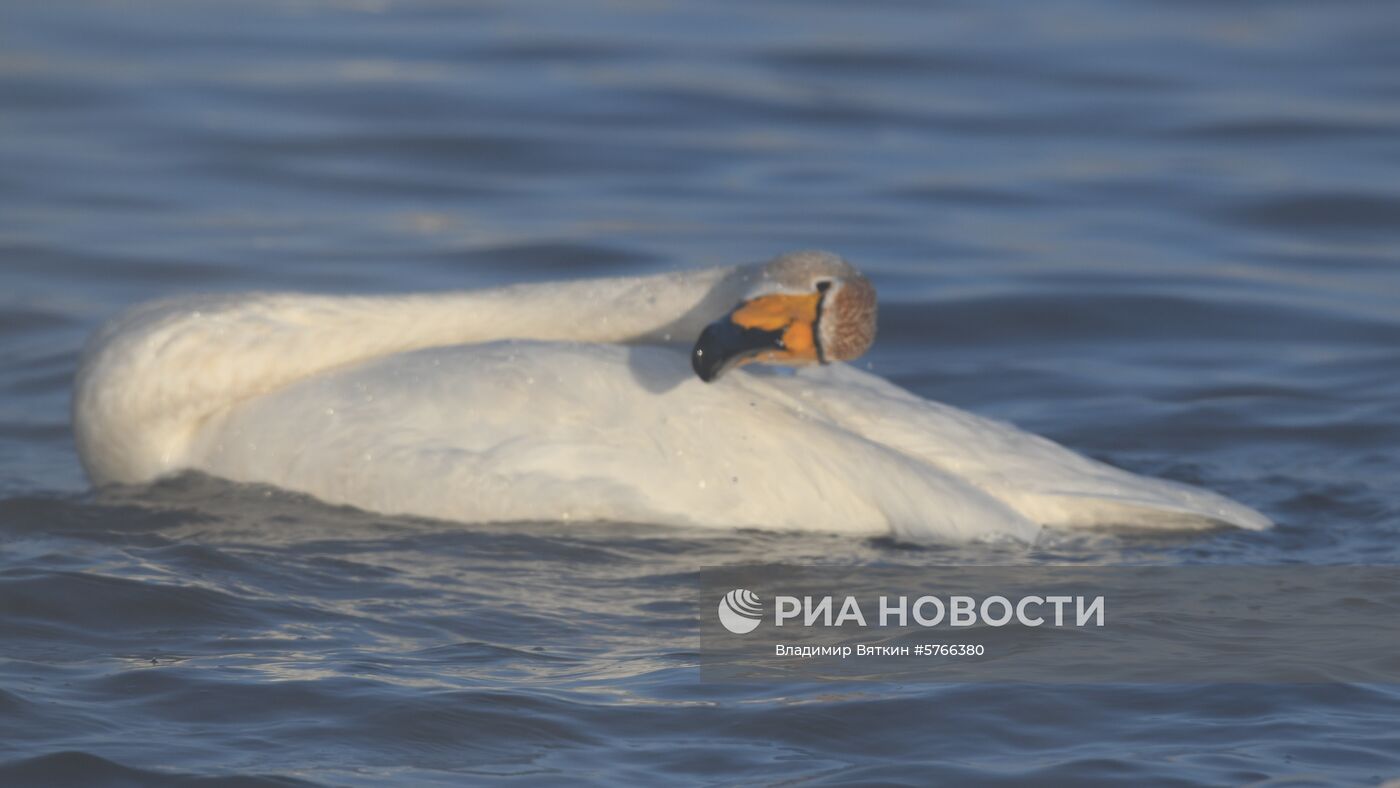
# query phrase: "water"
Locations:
[[1163, 234]]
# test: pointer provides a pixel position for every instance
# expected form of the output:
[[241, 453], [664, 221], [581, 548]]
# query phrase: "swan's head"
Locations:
[[804, 308]]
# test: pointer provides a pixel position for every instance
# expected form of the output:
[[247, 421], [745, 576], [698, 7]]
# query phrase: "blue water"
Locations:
[[1164, 234]]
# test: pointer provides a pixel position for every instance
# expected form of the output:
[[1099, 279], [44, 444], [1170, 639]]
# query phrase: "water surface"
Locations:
[[1163, 234]]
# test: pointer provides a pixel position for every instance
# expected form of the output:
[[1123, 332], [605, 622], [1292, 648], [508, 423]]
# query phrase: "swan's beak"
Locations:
[[776, 329]]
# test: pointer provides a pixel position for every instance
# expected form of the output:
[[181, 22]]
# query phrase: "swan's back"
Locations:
[[557, 431]]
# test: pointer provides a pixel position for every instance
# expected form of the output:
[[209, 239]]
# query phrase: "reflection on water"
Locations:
[[1162, 234]]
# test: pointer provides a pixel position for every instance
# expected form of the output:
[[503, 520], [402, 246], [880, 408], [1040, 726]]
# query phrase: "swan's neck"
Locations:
[[150, 378]]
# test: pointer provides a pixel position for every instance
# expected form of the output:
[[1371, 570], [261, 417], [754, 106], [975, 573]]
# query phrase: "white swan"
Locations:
[[571, 401]]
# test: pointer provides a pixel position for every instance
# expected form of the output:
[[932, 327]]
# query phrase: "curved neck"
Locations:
[[151, 377]]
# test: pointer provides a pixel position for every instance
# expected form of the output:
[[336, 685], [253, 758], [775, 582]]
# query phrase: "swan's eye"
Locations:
[[823, 285]]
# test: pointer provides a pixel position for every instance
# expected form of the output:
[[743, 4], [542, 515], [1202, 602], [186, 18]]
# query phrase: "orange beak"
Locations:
[[775, 329]]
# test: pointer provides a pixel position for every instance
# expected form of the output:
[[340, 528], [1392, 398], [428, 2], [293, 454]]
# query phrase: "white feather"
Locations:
[[546, 402]]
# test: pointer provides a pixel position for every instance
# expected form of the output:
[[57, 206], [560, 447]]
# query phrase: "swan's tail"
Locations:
[[1037, 478]]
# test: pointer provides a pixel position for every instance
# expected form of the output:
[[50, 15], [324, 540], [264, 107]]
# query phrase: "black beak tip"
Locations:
[[702, 371], [706, 358]]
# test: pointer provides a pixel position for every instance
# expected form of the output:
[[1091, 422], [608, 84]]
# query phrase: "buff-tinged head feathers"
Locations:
[[848, 320]]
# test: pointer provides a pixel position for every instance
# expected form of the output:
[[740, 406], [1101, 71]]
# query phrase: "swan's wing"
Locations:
[[549, 431], [1041, 480]]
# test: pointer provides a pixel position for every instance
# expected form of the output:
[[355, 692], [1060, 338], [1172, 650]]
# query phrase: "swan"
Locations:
[[586, 400]]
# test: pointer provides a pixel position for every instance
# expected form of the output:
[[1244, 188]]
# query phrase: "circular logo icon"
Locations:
[[740, 611]]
